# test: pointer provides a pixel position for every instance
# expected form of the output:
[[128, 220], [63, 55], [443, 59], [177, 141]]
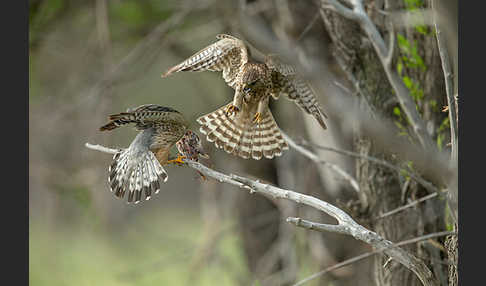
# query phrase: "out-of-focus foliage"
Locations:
[[87, 254]]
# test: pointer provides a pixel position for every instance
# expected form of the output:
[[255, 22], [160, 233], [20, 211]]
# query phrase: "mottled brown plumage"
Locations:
[[190, 147], [245, 127], [138, 170]]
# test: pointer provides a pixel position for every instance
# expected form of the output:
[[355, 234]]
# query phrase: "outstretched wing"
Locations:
[[286, 81], [228, 55], [145, 116], [138, 170]]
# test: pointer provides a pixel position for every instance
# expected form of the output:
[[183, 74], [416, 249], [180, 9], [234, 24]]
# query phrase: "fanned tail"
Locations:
[[136, 174], [239, 136]]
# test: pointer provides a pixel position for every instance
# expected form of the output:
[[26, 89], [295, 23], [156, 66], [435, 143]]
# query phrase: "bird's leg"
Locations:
[[262, 105], [177, 160], [236, 105]]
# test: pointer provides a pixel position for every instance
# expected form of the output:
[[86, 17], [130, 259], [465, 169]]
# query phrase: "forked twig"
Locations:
[[346, 225]]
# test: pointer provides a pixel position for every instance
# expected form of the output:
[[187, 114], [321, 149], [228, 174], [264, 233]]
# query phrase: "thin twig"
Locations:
[[102, 148], [309, 154], [426, 184], [308, 27], [368, 254], [409, 205], [346, 225]]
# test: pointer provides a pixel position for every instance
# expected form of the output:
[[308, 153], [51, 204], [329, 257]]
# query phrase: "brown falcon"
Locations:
[[245, 127], [138, 169]]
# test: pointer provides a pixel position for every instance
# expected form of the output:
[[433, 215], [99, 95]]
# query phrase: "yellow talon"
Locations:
[[177, 160], [257, 118], [231, 109]]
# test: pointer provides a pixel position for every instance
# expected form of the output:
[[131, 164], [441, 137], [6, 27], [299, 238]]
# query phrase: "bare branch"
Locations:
[[308, 27], [102, 148], [346, 225], [452, 103], [317, 226], [359, 15], [309, 154], [335, 6], [368, 254], [391, 45], [446, 66], [426, 184], [402, 208]]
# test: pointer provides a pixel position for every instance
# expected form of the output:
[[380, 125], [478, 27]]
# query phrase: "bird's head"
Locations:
[[252, 80], [251, 86], [191, 146]]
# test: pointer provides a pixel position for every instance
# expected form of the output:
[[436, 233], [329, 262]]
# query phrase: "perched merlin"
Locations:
[[138, 169], [245, 127]]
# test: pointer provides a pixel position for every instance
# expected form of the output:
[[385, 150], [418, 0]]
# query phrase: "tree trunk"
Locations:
[[385, 189]]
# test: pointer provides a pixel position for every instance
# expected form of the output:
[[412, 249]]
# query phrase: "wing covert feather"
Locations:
[[228, 55]]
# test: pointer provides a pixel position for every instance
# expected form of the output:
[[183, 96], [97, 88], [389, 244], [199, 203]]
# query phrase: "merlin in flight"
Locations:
[[245, 127], [137, 170]]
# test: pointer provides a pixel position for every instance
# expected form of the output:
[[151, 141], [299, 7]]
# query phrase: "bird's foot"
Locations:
[[177, 160], [257, 118], [232, 109]]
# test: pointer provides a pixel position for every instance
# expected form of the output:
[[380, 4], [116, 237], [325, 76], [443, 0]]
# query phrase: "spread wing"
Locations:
[[228, 55], [138, 170], [145, 116], [286, 81]]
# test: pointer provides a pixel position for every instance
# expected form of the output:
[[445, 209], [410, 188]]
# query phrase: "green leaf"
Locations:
[[396, 111], [403, 43], [422, 30], [399, 125], [408, 82], [410, 165], [400, 67], [402, 133], [440, 139], [129, 12], [444, 124]]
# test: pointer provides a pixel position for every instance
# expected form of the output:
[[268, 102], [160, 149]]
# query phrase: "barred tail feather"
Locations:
[[243, 138], [117, 120], [137, 176]]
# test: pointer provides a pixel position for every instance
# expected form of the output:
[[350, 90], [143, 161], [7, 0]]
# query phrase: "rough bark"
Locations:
[[386, 190], [452, 245]]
